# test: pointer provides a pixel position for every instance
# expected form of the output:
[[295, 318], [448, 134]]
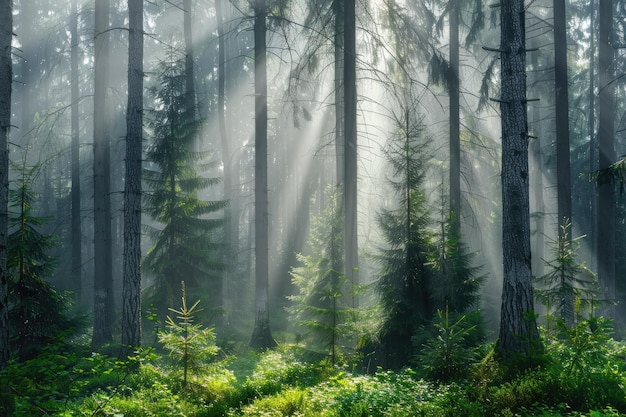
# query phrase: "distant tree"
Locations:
[[518, 337], [77, 261], [405, 281], [319, 306], [103, 309], [190, 89], [131, 295], [6, 80], [184, 239], [605, 248], [261, 334], [38, 312], [350, 147], [561, 88]]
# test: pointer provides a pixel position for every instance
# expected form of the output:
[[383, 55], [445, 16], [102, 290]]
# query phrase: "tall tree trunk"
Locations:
[[262, 335], [351, 250], [455, 122], [605, 248], [6, 80], [563, 170], [103, 280], [564, 183], [591, 129], [29, 68], [190, 90], [226, 161], [339, 92], [77, 260], [518, 328], [131, 292]]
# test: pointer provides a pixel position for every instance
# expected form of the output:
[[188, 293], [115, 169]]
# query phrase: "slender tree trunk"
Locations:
[[606, 145], [6, 80], [262, 335], [564, 183], [518, 328], [455, 122], [339, 91], [29, 68], [351, 250], [591, 129], [563, 170], [131, 293], [536, 175], [77, 260], [103, 280], [190, 90], [226, 160]]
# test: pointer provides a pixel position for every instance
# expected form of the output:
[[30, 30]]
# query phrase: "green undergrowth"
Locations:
[[73, 381]]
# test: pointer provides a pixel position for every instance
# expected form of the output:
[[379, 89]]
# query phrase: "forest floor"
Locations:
[[66, 380]]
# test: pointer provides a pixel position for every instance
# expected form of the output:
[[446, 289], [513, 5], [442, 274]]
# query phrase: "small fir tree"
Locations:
[[188, 342], [319, 306], [457, 280], [566, 279], [184, 237], [38, 312]]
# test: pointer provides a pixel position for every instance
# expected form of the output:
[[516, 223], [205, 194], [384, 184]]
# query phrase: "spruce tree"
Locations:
[[405, 274], [319, 305], [37, 311], [185, 235], [567, 279]]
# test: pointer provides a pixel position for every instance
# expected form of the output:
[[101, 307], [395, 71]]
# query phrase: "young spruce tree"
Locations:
[[184, 239], [319, 306], [37, 311], [404, 285]]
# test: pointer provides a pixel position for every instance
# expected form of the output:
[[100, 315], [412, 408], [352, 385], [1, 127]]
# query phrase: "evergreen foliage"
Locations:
[[320, 306], [188, 342], [566, 279], [446, 355], [457, 281], [38, 312], [405, 274], [184, 240]]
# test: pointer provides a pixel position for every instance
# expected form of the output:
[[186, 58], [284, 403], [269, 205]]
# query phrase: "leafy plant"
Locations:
[[188, 342]]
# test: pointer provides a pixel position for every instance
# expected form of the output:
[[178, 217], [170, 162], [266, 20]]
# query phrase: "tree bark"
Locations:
[[564, 183], [563, 170], [262, 335], [131, 304], [6, 80], [190, 90], [77, 261], [455, 122], [605, 248], [518, 328], [351, 250], [103, 280]]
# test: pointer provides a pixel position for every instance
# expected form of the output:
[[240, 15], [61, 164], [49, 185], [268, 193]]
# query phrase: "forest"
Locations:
[[312, 208]]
